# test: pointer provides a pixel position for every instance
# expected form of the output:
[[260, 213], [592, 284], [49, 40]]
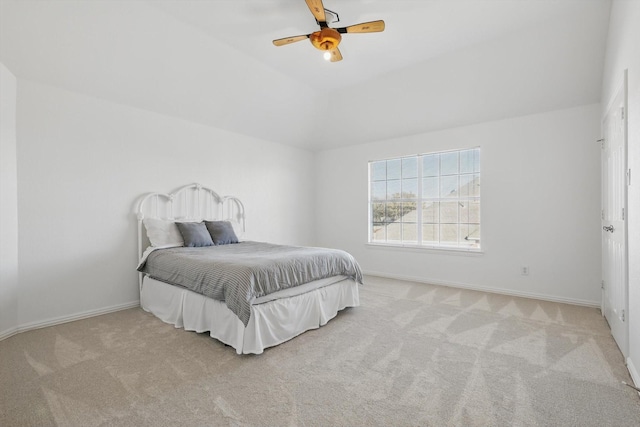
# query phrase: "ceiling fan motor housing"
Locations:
[[325, 39]]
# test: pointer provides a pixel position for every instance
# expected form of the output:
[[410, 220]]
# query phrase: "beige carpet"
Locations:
[[412, 354]]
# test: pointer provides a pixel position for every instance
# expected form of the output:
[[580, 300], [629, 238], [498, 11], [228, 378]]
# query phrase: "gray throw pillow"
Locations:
[[194, 234], [221, 232]]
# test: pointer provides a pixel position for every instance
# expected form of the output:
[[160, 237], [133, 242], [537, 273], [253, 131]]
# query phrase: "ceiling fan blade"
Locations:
[[289, 40], [365, 27], [336, 55], [317, 8]]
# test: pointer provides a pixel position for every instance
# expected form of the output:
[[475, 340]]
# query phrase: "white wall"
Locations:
[[83, 162], [623, 53], [136, 54], [9, 206], [540, 206]]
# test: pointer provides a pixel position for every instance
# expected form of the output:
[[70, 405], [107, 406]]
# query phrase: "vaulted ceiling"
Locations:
[[438, 64]]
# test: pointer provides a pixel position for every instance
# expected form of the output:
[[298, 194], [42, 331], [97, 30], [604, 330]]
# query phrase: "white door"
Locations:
[[614, 227]]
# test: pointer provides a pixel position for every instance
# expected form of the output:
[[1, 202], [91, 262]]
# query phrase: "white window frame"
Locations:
[[473, 246]]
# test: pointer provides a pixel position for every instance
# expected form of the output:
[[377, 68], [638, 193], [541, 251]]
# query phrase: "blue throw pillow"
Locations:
[[195, 234], [221, 232]]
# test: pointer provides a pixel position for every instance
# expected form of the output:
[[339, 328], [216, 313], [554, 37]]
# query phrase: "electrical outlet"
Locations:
[[524, 270]]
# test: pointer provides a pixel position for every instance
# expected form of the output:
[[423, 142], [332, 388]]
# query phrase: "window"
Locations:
[[429, 200]]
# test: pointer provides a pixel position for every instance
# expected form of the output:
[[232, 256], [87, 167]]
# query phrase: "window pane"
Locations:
[[431, 165], [409, 213], [410, 233], [466, 185], [469, 235], [409, 188], [379, 171], [430, 234], [449, 234], [449, 163], [463, 236], [474, 186], [394, 169], [474, 233], [394, 189], [476, 160], [449, 186], [377, 212], [430, 212], [463, 210], [467, 161], [393, 212], [430, 188], [410, 167], [474, 211], [378, 190], [378, 232], [449, 212], [394, 232]]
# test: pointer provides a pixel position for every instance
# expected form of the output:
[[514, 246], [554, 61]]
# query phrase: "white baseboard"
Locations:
[[533, 295], [8, 333], [65, 319], [635, 376]]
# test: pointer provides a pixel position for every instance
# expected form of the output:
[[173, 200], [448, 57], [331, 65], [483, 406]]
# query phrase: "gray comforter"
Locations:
[[239, 273]]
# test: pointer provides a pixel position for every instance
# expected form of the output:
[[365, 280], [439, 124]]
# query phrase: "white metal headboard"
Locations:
[[191, 202]]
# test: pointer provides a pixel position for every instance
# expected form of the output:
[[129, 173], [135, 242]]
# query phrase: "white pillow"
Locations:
[[162, 232]]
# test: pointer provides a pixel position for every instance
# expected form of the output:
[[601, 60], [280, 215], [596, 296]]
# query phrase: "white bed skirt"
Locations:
[[271, 323]]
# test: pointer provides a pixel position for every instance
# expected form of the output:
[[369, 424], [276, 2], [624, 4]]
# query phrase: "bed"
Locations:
[[242, 299]]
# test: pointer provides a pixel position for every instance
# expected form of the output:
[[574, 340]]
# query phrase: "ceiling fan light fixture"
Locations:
[[325, 39]]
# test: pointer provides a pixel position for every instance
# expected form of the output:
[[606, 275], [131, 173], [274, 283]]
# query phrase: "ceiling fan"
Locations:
[[328, 39]]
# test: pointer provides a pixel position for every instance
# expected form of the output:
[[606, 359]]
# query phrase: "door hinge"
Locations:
[[622, 113], [622, 315], [602, 284], [602, 214], [623, 214]]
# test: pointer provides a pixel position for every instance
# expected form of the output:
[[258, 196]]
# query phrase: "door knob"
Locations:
[[609, 228]]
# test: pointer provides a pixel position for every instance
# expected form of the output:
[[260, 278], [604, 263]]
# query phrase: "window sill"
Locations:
[[432, 249]]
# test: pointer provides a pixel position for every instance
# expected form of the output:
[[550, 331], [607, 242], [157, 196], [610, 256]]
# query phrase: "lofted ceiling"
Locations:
[[438, 64]]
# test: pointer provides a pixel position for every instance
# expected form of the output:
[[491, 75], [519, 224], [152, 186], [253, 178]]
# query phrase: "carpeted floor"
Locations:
[[411, 355]]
